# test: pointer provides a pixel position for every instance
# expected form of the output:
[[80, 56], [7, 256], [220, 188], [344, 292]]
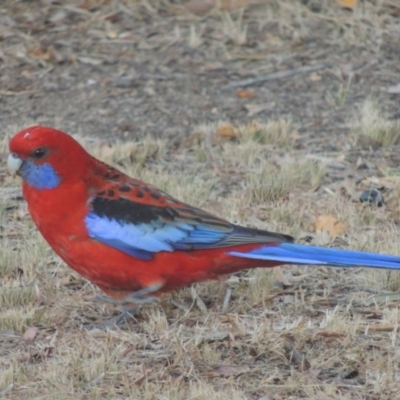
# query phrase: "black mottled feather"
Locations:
[[122, 209]]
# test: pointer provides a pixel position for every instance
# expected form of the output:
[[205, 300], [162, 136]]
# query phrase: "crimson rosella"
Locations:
[[135, 241]]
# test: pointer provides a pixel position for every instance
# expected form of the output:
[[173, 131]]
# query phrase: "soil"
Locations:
[[122, 69], [129, 69]]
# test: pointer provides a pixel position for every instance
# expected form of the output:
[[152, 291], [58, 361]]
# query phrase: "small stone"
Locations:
[[125, 82], [372, 196]]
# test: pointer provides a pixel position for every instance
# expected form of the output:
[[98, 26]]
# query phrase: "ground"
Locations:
[[161, 92]]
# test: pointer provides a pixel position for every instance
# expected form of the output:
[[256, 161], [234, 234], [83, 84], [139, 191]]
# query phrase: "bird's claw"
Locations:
[[119, 320]]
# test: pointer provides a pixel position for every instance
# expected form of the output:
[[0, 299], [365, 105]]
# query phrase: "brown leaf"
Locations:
[[30, 333], [226, 131], [245, 94], [329, 224], [348, 3], [41, 53]]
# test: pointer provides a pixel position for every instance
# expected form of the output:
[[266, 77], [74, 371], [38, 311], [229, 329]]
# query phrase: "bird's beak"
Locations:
[[13, 164]]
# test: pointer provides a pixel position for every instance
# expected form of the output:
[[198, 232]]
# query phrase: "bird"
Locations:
[[135, 241]]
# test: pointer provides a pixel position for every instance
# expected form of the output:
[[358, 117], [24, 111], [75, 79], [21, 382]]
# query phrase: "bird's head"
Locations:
[[45, 157]]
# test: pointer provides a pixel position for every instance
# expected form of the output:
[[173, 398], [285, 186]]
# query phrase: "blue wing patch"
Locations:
[[144, 239], [141, 230]]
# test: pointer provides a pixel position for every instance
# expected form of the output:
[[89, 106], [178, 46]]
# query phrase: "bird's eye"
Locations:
[[39, 152]]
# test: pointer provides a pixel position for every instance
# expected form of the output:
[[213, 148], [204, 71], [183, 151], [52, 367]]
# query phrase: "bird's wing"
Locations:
[[141, 220]]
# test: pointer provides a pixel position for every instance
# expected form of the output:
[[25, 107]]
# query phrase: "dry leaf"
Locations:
[[348, 3], [41, 53], [329, 224], [245, 94], [280, 277], [30, 333], [226, 131]]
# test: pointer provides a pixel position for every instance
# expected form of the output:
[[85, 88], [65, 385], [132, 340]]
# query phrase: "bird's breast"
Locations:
[[58, 214]]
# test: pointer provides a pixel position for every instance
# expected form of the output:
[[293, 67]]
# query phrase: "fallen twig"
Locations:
[[12, 93], [273, 75]]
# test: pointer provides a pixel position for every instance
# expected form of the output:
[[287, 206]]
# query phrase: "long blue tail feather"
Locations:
[[292, 253]]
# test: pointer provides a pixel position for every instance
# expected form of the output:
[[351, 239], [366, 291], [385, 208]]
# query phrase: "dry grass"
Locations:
[[332, 334], [367, 25], [372, 128], [323, 337]]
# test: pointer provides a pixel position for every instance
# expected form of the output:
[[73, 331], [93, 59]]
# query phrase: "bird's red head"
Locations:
[[44, 156]]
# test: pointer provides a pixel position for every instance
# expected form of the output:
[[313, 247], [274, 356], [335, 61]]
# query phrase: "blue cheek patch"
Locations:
[[40, 176]]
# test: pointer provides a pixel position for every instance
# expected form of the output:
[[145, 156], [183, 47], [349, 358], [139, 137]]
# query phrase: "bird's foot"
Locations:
[[139, 297], [118, 321], [129, 304]]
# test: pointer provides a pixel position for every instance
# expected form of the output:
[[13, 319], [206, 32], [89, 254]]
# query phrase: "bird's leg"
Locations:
[[130, 305], [139, 297]]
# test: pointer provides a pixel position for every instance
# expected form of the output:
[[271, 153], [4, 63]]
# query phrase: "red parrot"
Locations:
[[135, 241]]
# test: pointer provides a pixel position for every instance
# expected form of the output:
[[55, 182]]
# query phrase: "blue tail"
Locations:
[[292, 253]]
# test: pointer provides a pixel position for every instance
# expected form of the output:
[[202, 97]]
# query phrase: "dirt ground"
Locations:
[[153, 72], [131, 69]]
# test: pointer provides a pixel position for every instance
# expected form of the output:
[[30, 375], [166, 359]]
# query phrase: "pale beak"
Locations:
[[13, 163]]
